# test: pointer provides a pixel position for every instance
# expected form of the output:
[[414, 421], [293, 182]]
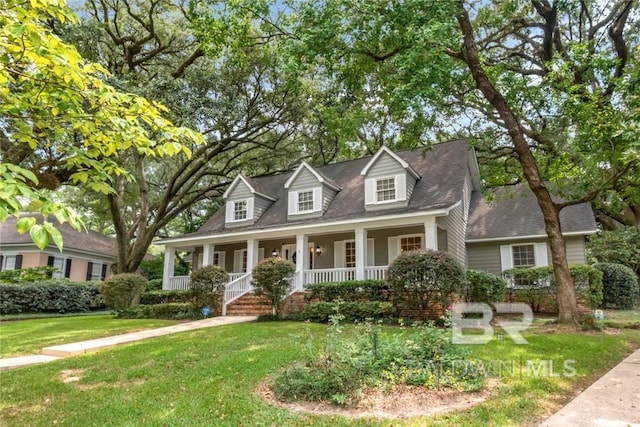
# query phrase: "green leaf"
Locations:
[[25, 224], [55, 234], [39, 236]]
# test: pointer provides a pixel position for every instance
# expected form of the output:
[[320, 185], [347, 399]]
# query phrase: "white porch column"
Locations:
[[302, 257], [207, 254], [169, 262], [252, 254], [431, 234], [361, 252]]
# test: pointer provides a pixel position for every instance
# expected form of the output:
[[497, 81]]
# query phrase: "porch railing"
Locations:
[[329, 275], [235, 289], [178, 283], [376, 273], [235, 276]]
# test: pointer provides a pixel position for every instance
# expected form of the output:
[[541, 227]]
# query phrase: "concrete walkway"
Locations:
[[612, 401], [65, 350]]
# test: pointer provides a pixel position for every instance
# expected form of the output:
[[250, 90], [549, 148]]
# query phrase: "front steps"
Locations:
[[248, 305]]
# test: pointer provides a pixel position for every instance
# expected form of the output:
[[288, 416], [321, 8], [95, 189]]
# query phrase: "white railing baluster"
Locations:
[[235, 289]]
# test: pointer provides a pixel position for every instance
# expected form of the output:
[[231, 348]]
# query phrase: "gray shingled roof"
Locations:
[[514, 212], [442, 170], [89, 241]]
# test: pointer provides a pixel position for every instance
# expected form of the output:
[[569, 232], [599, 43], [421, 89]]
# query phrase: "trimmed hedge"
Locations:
[[123, 290], [484, 287], [352, 311], [166, 297], [354, 290], [620, 286], [153, 285], [50, 296], [177, 311]]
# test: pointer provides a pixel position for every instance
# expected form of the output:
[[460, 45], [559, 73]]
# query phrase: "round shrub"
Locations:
[[122, 290], [272, 280], [619, 286], [207, 285], [484, 287], [423, 279]]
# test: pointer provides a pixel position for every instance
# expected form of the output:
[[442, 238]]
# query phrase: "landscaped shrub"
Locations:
[[350, 359], [618, 247], [51, 296], [207, 285], [351, 311], [166, 297], [423, 279], [536, 285], [154, 285], [353, 290], [122, 290], [619, 286], [27, 275], [484, 287], [177, 311], [272, 280]]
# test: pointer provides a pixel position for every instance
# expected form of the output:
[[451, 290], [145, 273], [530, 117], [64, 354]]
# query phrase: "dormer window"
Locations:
[[305, 201], [240, 210], [386, 189]]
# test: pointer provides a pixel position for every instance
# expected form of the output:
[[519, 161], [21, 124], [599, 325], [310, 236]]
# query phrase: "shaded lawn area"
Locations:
[[208, 377], [24, 337]]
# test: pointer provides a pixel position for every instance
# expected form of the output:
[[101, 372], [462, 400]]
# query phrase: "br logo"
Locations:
[[476, 319]]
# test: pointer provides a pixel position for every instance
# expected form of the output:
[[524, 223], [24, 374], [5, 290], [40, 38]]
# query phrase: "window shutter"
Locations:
[[250, 203], [293, 202], [260, 254], [369, 191], [542, 260], [221, 260], [317, 199], [338, 254], [50, 261], [67, 268], [103, 273], [18, 262], [506, 261], [401, 187], [89, 269], [237, 261], [1, 262], [371, 255], [393, 248], [229, 215]]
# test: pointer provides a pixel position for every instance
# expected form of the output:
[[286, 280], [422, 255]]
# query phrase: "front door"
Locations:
[[289, 252]]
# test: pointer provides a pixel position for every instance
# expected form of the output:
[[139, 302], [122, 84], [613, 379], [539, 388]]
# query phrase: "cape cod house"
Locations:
[[85, 255], [349, 220]]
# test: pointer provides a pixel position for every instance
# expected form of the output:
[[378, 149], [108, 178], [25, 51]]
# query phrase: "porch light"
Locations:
[[274, 253], [318, 250]]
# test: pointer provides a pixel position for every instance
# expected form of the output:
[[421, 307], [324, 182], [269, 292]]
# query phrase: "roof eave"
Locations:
[[530, 236]]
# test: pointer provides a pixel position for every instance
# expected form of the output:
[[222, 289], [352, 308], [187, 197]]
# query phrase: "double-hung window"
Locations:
[[410, 243], [240, 210], [305, 201], [385, 189]]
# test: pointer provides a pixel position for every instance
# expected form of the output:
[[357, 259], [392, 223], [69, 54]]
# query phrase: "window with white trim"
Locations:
[[59, 264], [410, 243], [8, 262], [240, 210], [305, 201], [350, 254], [524, 256], [385, 189]]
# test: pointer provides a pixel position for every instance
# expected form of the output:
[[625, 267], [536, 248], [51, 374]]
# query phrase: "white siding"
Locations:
[[304, 181], [456, 228]]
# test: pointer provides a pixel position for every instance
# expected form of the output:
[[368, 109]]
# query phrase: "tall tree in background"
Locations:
[[551, 83]]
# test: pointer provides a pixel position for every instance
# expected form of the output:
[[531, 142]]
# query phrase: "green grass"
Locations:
[[23, 337], [622, 318], [208, 377]]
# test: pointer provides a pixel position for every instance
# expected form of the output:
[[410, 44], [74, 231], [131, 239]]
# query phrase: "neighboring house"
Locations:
[[85, 255], [350, 220]]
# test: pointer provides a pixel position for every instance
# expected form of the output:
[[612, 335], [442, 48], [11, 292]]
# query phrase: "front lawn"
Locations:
[[24, 337], [209, 377]]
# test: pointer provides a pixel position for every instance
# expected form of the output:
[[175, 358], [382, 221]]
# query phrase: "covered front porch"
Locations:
[[320, 254]]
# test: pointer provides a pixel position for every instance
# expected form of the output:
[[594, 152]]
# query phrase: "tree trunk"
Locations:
[[567, 305]]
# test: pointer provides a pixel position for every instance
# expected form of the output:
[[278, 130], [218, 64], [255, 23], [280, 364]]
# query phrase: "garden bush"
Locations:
[[617, 247], [166, 297], [484, 287], [423, 279], [351, 359], [619, 286], [177, 311], [122, 290], [27, 275], [351, 311], [50, 296], [272, 280], [353, 290], [207, 285], [154, 285]]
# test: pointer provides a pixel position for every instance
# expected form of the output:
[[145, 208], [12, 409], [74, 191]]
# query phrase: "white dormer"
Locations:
[[389, 180], [244, 204], [309, 191]]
